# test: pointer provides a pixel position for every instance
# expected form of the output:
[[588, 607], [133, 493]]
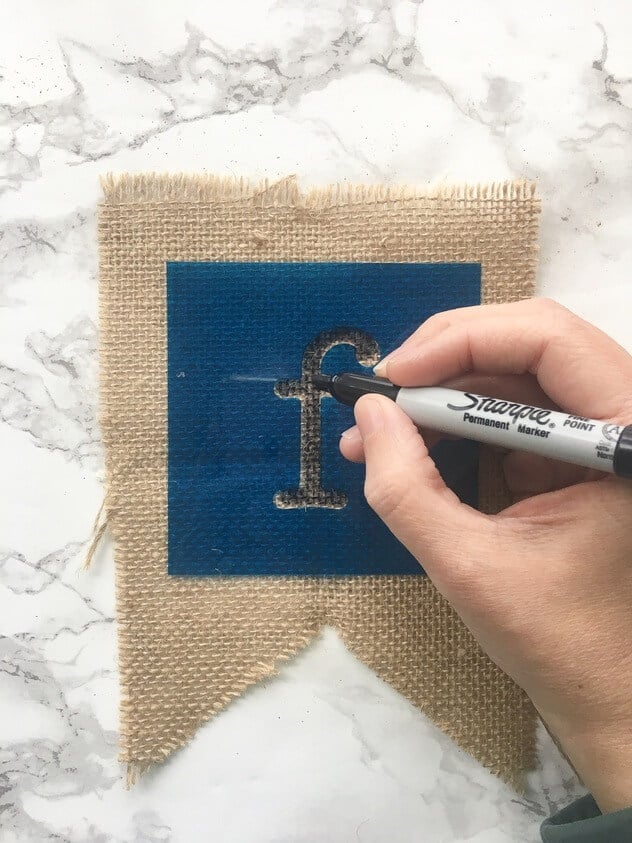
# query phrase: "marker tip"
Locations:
[[321, 381]]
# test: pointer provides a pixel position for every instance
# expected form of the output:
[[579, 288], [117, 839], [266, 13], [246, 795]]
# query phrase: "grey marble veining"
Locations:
[[332, 90]]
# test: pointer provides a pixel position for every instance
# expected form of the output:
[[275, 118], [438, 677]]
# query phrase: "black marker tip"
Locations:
[[347, 387], [323, 382]]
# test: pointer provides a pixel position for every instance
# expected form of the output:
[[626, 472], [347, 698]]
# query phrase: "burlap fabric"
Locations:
[[188, 646]]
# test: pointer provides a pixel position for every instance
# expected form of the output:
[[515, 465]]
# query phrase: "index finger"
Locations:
[[578, 366]]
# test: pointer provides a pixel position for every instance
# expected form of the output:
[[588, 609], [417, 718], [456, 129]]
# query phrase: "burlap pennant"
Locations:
[[188, 646]]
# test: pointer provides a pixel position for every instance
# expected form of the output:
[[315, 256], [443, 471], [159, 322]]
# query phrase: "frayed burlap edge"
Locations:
[[148, 188]]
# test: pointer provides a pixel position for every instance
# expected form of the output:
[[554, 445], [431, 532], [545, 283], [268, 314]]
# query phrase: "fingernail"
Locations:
[[352, 434], [380, 369]]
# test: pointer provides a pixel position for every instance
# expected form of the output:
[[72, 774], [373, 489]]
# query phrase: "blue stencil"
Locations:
[[241, 474]]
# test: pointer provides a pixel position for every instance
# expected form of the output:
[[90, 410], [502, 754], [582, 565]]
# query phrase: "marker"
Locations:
[[494, 421]]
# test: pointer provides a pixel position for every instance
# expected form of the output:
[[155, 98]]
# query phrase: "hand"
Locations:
[[546, 585]]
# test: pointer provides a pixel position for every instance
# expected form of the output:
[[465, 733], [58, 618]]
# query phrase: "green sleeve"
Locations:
[[583, 822]]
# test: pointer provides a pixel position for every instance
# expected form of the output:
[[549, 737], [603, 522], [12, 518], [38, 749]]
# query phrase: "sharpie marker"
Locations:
[[506, 424]]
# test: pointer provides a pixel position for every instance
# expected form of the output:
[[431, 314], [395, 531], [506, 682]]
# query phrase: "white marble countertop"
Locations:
[[332, 90]]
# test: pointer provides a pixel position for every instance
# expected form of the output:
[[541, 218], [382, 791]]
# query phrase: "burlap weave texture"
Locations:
[[188, 646]]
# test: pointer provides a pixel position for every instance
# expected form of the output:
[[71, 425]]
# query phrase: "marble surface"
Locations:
[[362, 91]]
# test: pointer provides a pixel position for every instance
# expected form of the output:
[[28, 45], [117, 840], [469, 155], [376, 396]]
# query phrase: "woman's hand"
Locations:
[[546, 585]]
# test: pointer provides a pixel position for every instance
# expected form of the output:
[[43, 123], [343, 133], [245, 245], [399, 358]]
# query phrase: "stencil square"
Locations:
[[234, 330]]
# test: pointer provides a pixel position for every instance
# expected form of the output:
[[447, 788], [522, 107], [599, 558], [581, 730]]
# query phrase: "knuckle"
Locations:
[[386, 494], [544, 301], [438, 321], [461, 578], [547, 303], [553, 309]]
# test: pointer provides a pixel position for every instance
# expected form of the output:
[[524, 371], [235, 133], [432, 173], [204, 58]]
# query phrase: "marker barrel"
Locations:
[[506, 424]]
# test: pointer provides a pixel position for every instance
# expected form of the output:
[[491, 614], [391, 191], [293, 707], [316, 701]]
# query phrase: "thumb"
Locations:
[[404, 487]]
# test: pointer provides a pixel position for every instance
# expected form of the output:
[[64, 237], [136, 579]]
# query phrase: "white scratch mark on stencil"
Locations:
[[252, 378]]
